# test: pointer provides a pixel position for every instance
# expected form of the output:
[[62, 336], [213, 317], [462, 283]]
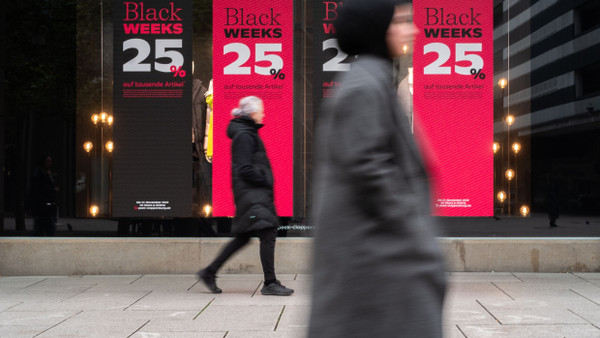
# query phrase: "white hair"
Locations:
[[247, 106]]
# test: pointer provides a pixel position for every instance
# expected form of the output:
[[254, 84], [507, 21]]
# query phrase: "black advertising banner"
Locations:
[[152, 109], [329, 59]]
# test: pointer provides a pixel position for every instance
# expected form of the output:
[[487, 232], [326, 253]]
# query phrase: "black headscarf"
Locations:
[[362, 25]]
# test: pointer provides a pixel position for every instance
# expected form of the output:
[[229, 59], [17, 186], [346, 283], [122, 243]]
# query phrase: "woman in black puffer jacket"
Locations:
[[255, 213]]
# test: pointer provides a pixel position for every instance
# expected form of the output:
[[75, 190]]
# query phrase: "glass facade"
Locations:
[[59, 95]]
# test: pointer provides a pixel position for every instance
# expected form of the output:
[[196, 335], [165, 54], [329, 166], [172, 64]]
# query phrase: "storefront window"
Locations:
[[131, 103]]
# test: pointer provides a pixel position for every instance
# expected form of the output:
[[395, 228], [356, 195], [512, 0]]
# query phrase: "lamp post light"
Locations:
[[501, 197], [510, 174], [88, 146], [524, 210], [207, 209], [110, 147], [502, 83], [94, 210], [516, 147], [496, 147]]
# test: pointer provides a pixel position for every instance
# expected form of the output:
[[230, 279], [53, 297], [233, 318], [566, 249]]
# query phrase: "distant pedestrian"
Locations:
[[42, 198], [255, 213], [553, 204], [378, 270]]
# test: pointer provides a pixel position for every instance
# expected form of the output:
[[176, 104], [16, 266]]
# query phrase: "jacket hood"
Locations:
[[362, 25], [241, 124]]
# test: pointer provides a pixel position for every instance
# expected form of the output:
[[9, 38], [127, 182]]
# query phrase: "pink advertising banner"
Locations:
[[253, 55], [453, 102]]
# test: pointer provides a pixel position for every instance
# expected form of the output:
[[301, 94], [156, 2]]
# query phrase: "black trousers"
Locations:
[[267, 251]]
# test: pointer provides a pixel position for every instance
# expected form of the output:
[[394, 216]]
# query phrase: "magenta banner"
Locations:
[[453, 102], [253, 55]]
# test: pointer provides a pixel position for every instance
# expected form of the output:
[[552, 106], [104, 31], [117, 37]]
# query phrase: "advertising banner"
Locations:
[[253, 56], [152, 108], [329, 60], [453, 102]]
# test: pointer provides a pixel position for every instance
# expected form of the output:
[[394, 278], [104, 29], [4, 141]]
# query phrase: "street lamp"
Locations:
[[110, 146], [524, 210], [510, 174], [516, 147], [510, 119], [87, 146], [501, 197], [496, 147], [502, 83], [94, 210], [207, 209], [95, 118], [103, 117]]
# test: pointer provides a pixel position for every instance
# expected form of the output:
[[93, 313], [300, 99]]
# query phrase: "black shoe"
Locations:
[[553, 225], [276, 289], [209, 280]]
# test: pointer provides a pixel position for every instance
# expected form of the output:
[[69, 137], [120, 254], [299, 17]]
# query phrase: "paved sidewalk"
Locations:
[[478, 305]]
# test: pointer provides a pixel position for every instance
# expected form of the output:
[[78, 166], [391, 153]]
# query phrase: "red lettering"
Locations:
[[177, 28], [174, 13], [131, 28], [328, 28], [127, 11], [330, 7]]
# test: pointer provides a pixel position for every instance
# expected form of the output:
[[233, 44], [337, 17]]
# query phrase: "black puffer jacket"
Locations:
[[252, 178]]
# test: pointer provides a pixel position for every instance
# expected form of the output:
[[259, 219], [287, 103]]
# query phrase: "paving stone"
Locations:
[[6, 305], [18, 331], [12, 284], [97, 324], [266, 334], [540, 277], [588, 311], [31, 318], [197, 334], [165, 282], [531, 331], [182, 301], [466, 311], [595, 276], [294, 318], [452, 331], [475, 290], [470, 277], [88, 300], [588, 291], [109, 282], [240, 318], [530, 312]]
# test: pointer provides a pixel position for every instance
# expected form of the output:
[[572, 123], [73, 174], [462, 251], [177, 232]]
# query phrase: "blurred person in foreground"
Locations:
[[378, 270], [255, 213]]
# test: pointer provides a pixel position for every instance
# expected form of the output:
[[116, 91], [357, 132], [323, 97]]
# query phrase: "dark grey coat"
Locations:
[[378, 271]]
